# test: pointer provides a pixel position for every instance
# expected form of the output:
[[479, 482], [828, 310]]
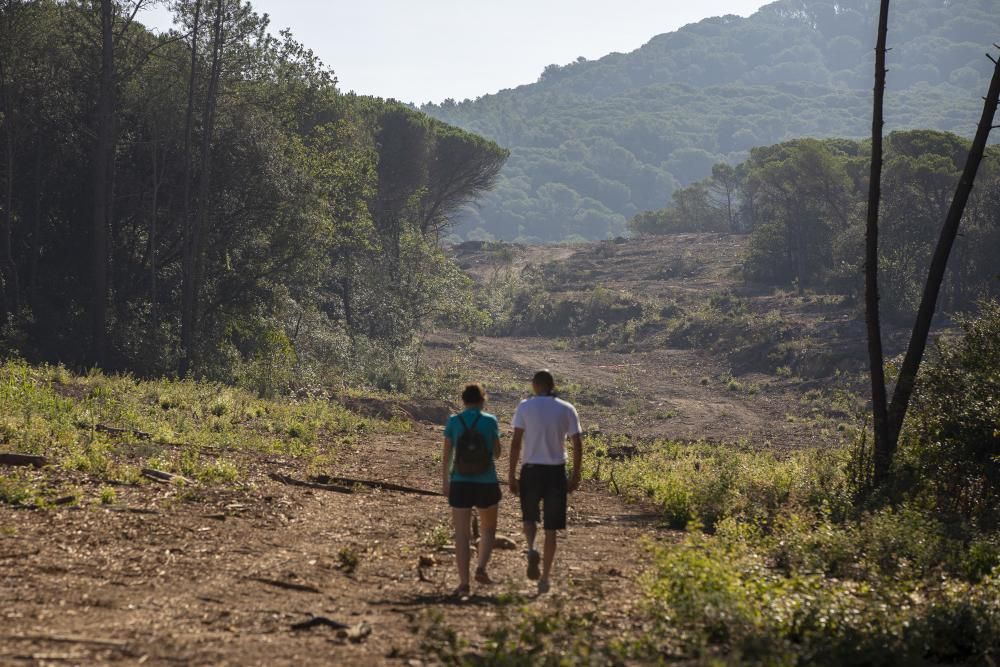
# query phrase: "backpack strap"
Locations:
[[469, 427]]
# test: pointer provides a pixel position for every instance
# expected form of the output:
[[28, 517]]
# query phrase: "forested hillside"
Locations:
[[207, 202], [594, 142]]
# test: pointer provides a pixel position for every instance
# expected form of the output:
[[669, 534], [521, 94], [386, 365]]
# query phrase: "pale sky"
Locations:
[[428, 50]]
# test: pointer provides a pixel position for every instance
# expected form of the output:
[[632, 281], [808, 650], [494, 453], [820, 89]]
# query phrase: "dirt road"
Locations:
[[191, 576]]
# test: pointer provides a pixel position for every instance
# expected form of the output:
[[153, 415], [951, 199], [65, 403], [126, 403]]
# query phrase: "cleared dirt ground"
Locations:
[[192, 577]]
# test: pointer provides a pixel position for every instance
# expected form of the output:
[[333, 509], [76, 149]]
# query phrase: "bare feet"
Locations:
[[483, 578]]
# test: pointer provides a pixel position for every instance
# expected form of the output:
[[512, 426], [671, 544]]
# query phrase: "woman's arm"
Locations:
[[497, 449], [446, 466]]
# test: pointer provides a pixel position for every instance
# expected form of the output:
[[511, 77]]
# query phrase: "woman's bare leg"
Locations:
[[461, 520], [487, 534]]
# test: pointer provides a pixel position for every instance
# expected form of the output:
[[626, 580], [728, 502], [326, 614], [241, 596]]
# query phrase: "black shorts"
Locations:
[[544, 484], [464, 495]]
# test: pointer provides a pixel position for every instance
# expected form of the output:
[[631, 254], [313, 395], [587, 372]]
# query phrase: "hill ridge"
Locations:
[[595, 141]]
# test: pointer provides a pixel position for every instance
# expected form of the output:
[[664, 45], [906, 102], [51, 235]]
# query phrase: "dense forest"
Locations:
[[206, 201], [595, 142], [802, 202]]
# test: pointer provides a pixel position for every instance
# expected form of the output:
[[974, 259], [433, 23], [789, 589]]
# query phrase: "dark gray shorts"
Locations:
[[464, 495], [545, 484]]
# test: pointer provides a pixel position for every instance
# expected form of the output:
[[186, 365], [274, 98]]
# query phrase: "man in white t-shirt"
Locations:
[[541, 425]]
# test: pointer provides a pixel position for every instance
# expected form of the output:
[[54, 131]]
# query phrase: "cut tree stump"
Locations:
[[11, 459], [504, 543]]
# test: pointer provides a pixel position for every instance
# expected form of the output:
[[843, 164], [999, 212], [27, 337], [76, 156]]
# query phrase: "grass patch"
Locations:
[[703, 483], [110, 426]]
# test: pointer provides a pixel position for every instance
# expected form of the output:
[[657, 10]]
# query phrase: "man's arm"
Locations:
[[515, 454], [574, 482], [446, 467], [497, 449]]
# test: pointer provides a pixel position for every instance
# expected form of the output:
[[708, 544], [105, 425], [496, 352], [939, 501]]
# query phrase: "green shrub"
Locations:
[[808, 590], [952, 434]]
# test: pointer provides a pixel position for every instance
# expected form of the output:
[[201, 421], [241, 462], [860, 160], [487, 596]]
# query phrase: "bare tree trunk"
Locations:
[[9, 295], [34, 252], [928, 303], [187, 259], [10, 287], [153, 305], [194, 261], [882, 451], [729, 210], [348, 294], [102, 163]]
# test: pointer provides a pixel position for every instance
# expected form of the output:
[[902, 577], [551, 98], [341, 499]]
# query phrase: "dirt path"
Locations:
[[189, 576], [655, 388], [664, 393]]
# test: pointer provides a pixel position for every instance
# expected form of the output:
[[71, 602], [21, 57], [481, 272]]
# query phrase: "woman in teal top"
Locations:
[[464, 492]]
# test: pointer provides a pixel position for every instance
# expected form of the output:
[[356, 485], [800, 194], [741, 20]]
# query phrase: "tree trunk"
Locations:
[[348, 293], [928, 303], [10, 287], [882, 451], [187, 258], [9, 294], [35, 249], [195, 260], [101, 184], [153, 305]]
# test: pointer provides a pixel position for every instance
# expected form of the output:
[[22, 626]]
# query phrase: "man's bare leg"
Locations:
[[530, 531], [548, 557]]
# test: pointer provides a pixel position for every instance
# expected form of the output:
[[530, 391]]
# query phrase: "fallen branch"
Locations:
[[286, 585], [10, 459], [291, 481], [164, 477], [141, 435], [132, 510], [67, 639], [317, 621], [384, 486]]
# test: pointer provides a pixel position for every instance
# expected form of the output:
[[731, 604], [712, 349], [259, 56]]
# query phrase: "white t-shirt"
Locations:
[[547, 422]]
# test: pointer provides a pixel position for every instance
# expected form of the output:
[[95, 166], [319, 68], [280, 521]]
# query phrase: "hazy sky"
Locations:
[[429, 50]]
